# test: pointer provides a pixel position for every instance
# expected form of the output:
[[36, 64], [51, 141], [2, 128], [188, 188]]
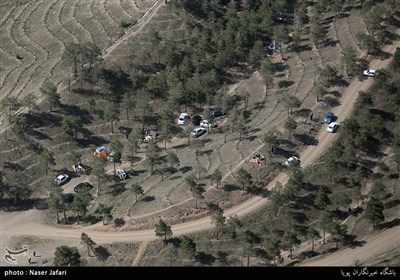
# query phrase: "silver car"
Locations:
[[197, 132]]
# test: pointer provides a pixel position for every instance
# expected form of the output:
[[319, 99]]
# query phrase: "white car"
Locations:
[[369, 72], [183, 118], [332, 127], [206, 124], [61, 179], [292, 159], [121, 174], [197, 132]]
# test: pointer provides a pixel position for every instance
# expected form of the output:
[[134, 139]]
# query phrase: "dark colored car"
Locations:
[[80, 186], [69, 197], [216, 112], [328, 117], [196, 120], [114, 157]]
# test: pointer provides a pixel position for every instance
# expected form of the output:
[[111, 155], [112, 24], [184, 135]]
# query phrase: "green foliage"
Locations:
[[338, 232], [216, 177], [243, 177], [88, 242], [324, 220], [72, 125], [67, 256], [104, 211], [163, 230], [81, 202], [49, 90], [271, 139], [46, 158], [152, 157], [188, 246], [321, 199], [374, 211], [349, 57], [289, 241], [29, 101], [217, 218], [111, 114], [190, 181], [123, 23], [55, 201], [290, 125], [137, 190]]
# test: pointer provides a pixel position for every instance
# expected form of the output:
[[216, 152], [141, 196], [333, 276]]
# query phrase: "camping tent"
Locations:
[[100, 152]]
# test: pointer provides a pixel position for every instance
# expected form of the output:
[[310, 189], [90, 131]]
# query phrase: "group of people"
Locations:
[[34, 254]]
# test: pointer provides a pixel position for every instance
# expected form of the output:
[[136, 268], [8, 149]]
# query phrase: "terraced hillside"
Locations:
[[34, 35]]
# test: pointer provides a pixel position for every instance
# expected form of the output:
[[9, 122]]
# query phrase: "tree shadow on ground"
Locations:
[[43, 119], [117, 189], [384, 114], [280, 66], [206, 152], [12, 166], [134, 159], [37, 134], [306, 255], [392, 203], [340, 82], [174, 241], [332, 102], [330, 43], [230, 187], [303, 112], [390, 224], [74, 110], [93, 140], [204, 258], [285, 84], [254, 190], [148, 198], [101, 253], [353, 242], [185, 169], [306, 140], [119, 222], [259, 105], [7, 204]]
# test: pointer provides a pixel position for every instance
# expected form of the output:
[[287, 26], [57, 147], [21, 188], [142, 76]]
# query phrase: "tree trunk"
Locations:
[[324, 237], [65, 216], [58, 218], [312, 245], [112, 127], [217, 232], [291, 251]]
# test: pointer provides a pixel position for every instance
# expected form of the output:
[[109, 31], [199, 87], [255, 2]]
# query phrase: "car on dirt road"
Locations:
[[369, 72], [80, 186], [328, 117], [61, 179], [69, 197], [196, 120], [183, 118], [291, 160], [216, 112], [206, 124], [197, 132], [332, 127], [121, 174]]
